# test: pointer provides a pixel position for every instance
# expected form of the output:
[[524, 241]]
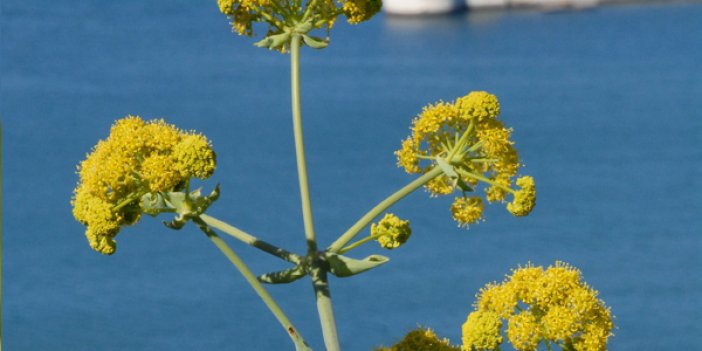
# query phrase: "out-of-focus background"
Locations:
[[605, 104]]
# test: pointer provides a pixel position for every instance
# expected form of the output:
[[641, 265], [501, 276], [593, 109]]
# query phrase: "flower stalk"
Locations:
[[318, 270], [300, 144], [363, 222], [251, 240], [359, 243], [295, 336], [390, 232]]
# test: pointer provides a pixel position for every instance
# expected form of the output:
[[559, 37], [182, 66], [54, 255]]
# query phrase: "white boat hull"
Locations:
[[437, 7], [422, 7]]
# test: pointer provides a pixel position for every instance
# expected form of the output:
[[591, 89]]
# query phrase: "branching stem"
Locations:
[[298, 340], [251, 240], [381, 207]]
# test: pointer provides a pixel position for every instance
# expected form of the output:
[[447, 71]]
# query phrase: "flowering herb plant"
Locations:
[[459, 147]]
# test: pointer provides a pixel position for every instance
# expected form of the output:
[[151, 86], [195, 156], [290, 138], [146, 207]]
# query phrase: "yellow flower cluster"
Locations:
[[482, 331], [357, 11], [137, 158], [553, 306], [467, 210], [421, 340], [524, 198], [466, 136], [391, 231], [283, 15]]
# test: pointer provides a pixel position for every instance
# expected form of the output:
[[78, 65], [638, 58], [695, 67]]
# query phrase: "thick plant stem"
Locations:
[[318, 273], [300, 344], [300, 145], [250, 239], [319, 269], [382, 206]]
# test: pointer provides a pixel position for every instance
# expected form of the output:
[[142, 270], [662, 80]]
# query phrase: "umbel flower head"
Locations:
[[421, 339], [552, 306], [286, 17], [467, 210], [138, 161], [391, 231], [473, 148]]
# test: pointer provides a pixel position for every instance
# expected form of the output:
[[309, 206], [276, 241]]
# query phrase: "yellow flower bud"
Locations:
[[391, 231], [160, 136], [478, 105], [523, 331], [560, 323], [93, 211], [101, 222], [524, 198], [194, 157], [102, 242], [497, 193], [507, 163], [526, 281], [158, 171], [433, 120], [596, 333], [557, 285], [495, 139], [481, 331], [467, 210], [440, 185], [422, 339], [242, 22], [498, 298], [407, 157], [357, 11], [226, 6]]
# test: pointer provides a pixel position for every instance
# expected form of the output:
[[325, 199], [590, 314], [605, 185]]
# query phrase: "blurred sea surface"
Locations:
[[605, 106]]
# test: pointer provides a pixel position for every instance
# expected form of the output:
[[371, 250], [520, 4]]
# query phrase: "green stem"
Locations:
[[359, 243], [475, 147], [320, 283], [298, 340], [483, 160], [272, 20], [280, 9], [486, 180], [308, 11], [381, 207], [319, 269], [251, 240], [299, 143], [126, 201], [460, 142], [433, 158]]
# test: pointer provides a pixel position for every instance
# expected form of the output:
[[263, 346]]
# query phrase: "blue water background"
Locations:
[[605, 105]]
